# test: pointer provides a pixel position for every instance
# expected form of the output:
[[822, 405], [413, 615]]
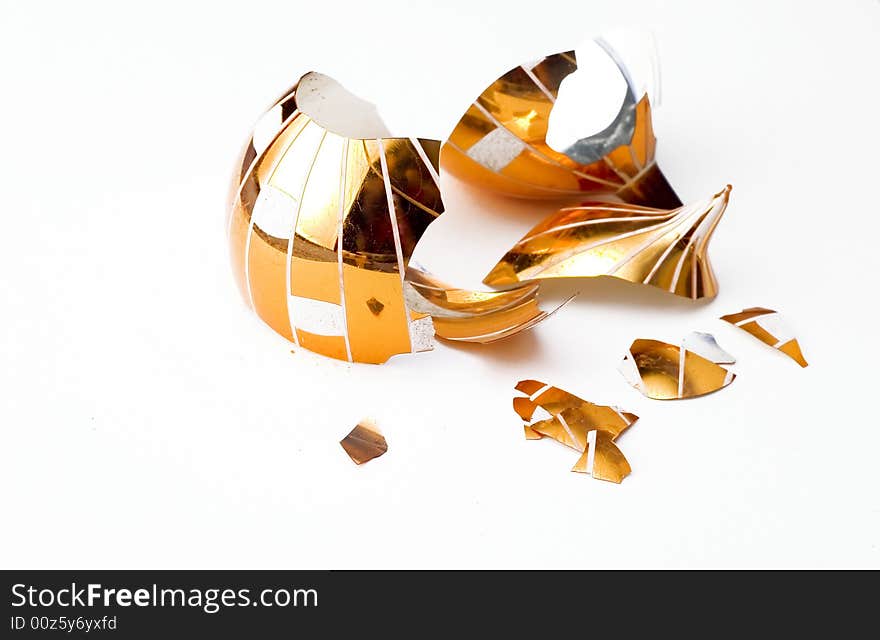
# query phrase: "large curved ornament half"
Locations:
[[321, 230], [322, 227], [663, 248], [500, 143]]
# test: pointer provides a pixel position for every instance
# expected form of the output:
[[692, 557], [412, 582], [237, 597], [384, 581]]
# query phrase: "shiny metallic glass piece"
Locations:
[[602, 459], [465, 315], [500, 143], [664, 371], [581, 425], [364, 442], [321, 229], [662, 248], [768, 327]]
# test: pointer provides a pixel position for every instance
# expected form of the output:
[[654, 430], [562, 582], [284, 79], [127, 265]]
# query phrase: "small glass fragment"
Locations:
[[659, 247], [768, 327], [364, 442], [602, 459], [664, 371], [583, 426]]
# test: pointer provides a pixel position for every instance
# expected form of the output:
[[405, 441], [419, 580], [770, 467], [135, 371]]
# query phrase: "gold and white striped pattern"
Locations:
[[664, 371], [321, 230], [662, 248], [581, 425], [500, 144], [768, 327]]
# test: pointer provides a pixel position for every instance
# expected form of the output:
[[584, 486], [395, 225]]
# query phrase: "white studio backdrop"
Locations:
[[150, 420]]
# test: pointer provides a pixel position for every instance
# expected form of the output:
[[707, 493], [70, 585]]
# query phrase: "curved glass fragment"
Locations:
[[322, 226], [664, 371], [663, 248], [583, 417], [768, 327], [364, 442], [705, 344], [500, 143]]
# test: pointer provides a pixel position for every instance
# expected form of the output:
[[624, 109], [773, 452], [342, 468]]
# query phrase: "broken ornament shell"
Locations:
[[322, 225], [505, 140]]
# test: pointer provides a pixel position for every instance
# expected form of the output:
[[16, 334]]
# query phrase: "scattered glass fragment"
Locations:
[[581, 425], [662, 248], [768, 327], [664, 371], [364, 442]]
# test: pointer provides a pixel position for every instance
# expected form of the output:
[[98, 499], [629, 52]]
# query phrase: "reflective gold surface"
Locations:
[[665, 249], [364, 442], [500, 144], [581, 425], [602, 459], [768, 327], [583, 416], [664, 371], [472, 316], [321, 230]]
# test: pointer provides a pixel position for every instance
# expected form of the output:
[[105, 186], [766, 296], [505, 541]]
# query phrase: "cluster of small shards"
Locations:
[[660, 371]]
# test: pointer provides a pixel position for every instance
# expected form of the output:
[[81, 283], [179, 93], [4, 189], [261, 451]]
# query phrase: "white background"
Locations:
[[150, 420]]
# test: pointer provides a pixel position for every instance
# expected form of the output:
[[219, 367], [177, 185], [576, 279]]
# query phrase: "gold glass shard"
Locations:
[[768, 327], [322, 227], [364, 442], [583, 426], [530, 388], [473, 316], [603, 459], [664, 371], [663, 248], [500, 143], [579, 416], [524, 407]]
